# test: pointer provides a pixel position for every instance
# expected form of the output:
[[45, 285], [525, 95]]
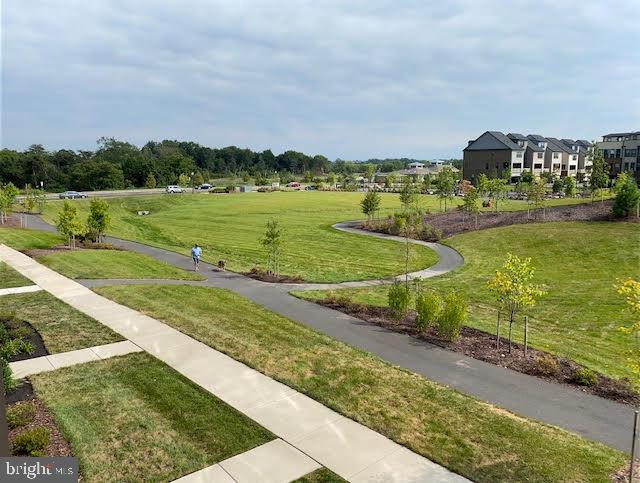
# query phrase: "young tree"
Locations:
[[514, 288], [99, 219], [28, 200], [569, 187], [198, 179], [40, 199], [307, 176], [526, 176], [558, 185], [370, 204], [389, 180], [8, 195], [599, 172], [536, 196], [150, 181], [627, 196], [331, 179], [273, 242], [409, 197], [471, 203], [408, 224], [68, 223], [630, 289], [369, 170], [496, 189], [426, 183], [446, 186]]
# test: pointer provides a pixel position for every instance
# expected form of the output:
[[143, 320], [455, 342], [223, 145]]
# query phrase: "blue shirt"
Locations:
[[196, 251]]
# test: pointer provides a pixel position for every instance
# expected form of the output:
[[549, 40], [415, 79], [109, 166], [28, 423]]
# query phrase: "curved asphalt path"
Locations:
[[590, 416]]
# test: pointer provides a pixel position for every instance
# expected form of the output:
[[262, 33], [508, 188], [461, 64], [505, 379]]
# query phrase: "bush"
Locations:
[[429, 233], [547, 365], [20, 332], [7, 378], [399, 299], [31, 442], [452, 317], [584, 377], [20, 414], [428, 307]]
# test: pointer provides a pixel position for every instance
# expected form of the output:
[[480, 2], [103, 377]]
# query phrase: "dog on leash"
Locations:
[[221, 264]]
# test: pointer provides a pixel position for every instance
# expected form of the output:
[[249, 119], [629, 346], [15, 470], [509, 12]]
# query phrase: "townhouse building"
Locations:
[[622, 152], [493, 153]]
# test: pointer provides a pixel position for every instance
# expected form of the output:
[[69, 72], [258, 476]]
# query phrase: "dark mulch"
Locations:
[[481, 345], [57, 446], [39, 349], [83, 245], [455, 221], [262, 275], [622, 475], [23, 392]]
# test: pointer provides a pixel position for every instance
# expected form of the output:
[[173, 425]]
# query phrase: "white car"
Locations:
[[174, 188]]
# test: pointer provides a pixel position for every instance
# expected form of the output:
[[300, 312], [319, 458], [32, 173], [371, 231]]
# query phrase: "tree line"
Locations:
[[117, 164]]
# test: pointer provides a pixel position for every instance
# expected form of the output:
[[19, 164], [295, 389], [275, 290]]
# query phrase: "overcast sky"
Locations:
[[351, 79]]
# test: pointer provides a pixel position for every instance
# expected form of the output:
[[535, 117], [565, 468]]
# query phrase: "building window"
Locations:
[[626, 166], [505, 165], [517, 165], [556, 167], [537, 166], [572, 167], [564, 167], [629, 153], [555, 155], [519, 154], [540, 155], [574, 157], [487, 167]]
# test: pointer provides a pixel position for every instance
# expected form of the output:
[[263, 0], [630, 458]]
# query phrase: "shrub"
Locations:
[[430, 233], [7, 378], [584, 377], [13, 347], [399, 299], [20, 414], [31, 442], [20, 332], [428, 307], [452, 317], [547, 365]]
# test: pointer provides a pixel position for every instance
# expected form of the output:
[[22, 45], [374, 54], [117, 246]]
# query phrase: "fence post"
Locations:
[[526, 333], [633, 445], [498, 332]]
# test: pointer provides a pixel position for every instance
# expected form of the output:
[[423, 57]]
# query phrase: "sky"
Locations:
[[350, 79]]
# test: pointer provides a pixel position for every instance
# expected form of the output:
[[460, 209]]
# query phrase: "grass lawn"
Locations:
[[579, 262], [322, 475], [470, 437], [230, 227], [23, 239], [10, 278], [133, 418], [112, 264], [61, 327]]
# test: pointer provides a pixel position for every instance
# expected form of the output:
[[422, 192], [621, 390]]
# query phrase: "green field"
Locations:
[[470, 437], [24, 239], [61, 327], [230, 227], [113, 264], [10, 278], [132, 418], [578, 262]]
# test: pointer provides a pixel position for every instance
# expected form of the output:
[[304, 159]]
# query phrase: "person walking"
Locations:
[[196, 252]]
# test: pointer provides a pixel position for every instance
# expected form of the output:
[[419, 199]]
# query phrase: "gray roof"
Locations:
[[505, 140], [568, 142], [537, 138], [554, 144], [534, 146], [492, 140], [583, 142], [516, 136]]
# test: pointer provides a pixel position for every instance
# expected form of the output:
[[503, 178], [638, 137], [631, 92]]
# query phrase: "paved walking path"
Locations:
[[36, 365], [350, 449], [590, 416], [15, 290]]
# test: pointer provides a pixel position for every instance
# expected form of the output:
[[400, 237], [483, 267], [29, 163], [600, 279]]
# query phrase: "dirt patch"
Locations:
[[259, 274], [57, 446], [482, 346], [455, 221], [622, 475]]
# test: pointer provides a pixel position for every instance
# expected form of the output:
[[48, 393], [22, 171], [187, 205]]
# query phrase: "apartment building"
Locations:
[[622, 152], [494, 152]]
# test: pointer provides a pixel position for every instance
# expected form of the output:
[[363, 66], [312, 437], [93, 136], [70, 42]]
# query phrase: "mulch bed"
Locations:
[[482, 346], [263, 276], [455, 221], [23, 392], [39, 349], [57, 446]]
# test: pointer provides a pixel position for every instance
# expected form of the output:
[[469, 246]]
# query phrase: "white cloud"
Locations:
[[349, 79]]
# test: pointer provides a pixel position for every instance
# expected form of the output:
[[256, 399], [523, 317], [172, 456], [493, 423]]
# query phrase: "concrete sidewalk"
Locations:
[[349, 449]]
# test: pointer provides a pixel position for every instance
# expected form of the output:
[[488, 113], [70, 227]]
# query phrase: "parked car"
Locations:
[[72, 195], [205, 186], [173, 188], [309, 188], [294, 185]]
